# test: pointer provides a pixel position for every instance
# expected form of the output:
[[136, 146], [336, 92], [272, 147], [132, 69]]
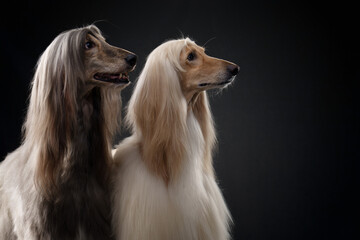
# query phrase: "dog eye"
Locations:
[[191, 56], [89, 45]]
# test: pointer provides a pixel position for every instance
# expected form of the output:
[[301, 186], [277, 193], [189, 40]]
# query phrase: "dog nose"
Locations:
[[131, 59], [233, 69]]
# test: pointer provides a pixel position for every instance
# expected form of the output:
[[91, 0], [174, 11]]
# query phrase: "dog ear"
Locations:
[[52, 109], [157, 110]]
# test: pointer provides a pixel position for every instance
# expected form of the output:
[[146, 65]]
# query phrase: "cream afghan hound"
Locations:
[[55, 185], [165, 186]]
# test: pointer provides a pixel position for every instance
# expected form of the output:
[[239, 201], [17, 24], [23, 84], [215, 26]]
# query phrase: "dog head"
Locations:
[[106, 64], [80, 59], [195, 70], [174, 79], [202, 72]]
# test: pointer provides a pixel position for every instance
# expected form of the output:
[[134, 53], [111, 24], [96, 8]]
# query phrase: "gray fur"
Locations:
[[55, 185]]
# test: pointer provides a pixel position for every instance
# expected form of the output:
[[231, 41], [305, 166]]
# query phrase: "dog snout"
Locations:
[[233, 69], [131, 60]]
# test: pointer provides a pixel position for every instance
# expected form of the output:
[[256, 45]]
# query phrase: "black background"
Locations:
[[288, 129]]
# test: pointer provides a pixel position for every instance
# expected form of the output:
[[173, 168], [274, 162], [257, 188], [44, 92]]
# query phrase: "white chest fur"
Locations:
[[190, 208]]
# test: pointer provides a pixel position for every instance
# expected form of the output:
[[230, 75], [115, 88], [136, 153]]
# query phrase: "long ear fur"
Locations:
[[53, 106], [157, 111]]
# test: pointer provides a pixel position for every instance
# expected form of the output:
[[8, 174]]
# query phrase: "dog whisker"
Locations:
[[204, 45]]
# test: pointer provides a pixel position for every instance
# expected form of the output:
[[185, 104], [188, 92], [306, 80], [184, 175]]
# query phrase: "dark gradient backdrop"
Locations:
[[288, 129]]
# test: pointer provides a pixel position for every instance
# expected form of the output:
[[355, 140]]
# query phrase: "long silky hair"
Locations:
[[158, 112], [57, 109]]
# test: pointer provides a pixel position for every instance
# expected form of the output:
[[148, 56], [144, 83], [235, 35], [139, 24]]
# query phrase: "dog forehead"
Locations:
[[94, 35], [190, 47]]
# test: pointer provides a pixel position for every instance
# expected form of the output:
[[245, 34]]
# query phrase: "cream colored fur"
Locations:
[[163, 188]]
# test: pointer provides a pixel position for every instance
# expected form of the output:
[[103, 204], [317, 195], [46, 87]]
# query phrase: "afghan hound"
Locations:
[[165, 186], [55, 185]]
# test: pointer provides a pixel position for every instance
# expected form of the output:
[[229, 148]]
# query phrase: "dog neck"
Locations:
[[83, 177], [90, 153], [201, 109], [191, 99], [74, 145]]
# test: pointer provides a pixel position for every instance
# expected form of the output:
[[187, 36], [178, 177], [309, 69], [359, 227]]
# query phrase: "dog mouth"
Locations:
[[217, 84], [117, 78]]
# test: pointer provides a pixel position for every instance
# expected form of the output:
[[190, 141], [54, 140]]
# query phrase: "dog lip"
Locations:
[[204, 84], [216, 84], [117, 78], [225, 82]]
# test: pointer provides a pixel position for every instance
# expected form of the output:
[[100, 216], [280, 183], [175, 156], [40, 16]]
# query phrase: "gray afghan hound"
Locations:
[[55, 185]]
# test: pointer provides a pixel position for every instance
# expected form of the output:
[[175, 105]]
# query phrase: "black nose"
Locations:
[[233, 69], [131, 59]]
